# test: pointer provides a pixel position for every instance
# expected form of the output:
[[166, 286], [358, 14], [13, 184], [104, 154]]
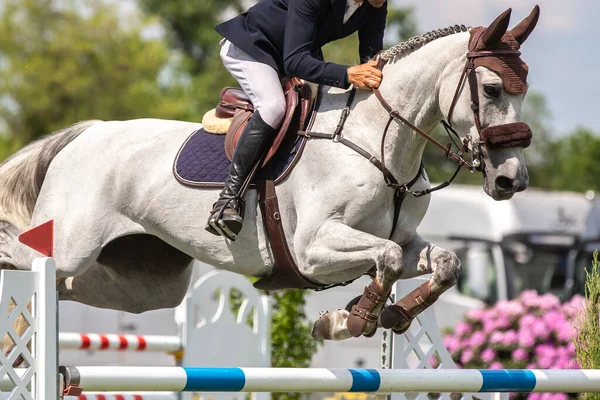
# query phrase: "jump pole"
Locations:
[[108, 342], [183, 379]]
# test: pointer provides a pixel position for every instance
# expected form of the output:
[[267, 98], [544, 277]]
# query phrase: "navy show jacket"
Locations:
[[288, 35]]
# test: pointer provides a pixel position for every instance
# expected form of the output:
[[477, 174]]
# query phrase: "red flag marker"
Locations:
[[40, 238]]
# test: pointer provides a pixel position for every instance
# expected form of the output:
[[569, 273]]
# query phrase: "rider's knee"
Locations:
[[272, 112]]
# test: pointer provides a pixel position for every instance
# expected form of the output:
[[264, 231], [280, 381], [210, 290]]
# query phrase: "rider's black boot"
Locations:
[[227, 213]]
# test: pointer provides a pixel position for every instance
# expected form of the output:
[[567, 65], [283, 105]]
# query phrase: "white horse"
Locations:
[[127, 231]]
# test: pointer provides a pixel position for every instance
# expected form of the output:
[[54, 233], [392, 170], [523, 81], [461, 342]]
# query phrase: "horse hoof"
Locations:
[[322, 327], [332, 326]]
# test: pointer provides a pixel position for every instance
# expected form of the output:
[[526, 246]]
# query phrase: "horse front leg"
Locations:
[[335, 250], [422, 257]]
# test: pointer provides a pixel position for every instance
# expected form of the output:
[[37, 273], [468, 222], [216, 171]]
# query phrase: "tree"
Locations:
[[189, 28], [62, 62], [572, 162]]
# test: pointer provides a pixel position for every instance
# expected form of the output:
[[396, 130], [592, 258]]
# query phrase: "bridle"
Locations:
[[496, 136], [505, 135]]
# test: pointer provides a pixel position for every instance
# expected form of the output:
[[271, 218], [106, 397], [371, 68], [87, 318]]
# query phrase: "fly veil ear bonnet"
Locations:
[[497, 39], [497, 48]]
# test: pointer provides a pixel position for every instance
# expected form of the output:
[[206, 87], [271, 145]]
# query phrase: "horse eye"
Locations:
[[491, 90]]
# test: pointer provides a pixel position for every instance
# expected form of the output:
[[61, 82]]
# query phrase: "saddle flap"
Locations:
[[298, 98]]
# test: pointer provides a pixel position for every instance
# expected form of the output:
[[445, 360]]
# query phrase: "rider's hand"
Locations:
[[365, 76]]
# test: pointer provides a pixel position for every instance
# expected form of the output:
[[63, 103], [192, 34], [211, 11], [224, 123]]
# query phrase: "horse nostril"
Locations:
[[504, 182]]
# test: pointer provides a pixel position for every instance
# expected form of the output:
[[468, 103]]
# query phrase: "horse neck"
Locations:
[[411, 86]]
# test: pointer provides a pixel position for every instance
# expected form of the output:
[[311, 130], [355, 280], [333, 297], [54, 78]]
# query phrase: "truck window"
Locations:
[[544, 272], [478, 278]]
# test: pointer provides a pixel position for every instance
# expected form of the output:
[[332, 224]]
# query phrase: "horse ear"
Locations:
[[524, 28], [494, 32]]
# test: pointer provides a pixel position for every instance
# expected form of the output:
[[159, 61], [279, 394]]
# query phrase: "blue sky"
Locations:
[[562, 52]]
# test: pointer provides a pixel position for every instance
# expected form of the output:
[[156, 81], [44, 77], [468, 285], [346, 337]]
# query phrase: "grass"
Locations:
[[587, 342]]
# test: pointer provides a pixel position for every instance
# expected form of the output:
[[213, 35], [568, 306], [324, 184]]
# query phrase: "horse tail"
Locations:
[[23, 173]]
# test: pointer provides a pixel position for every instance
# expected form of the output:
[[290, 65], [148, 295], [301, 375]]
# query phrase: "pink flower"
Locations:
[[530, 298], [466, 356], [545, 350], [540, 330], [549, 301], [564, 362], [526, 339], [496, 365], [553, 319], [566, 333], [527, 321], [478, 339], [520, 354], [451, 343], [476, 314], [433, 361], [488, 355], [510, 338], [496, 337], [558, 396], [462, 328], [545, 362], [541, 336], [562, 351], [503, 322]]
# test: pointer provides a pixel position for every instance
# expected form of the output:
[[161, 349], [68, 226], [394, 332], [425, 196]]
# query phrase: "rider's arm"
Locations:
[[300, 35], [370, 35]]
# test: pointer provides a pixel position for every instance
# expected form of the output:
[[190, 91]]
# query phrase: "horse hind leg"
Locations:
[[421, 257]]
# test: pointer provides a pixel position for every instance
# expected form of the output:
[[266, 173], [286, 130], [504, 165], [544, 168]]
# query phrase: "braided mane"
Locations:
[[417, 42]]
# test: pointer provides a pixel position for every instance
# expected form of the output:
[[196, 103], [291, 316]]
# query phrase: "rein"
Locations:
[[395, 115]]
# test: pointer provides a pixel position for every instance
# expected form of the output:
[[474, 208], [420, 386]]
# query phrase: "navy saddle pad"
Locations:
[[202, 162]]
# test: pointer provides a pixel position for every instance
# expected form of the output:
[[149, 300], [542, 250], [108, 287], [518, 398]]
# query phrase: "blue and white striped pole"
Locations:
[[182, 379]]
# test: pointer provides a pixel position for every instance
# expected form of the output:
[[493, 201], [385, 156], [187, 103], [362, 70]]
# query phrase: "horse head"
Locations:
[[487, 103]]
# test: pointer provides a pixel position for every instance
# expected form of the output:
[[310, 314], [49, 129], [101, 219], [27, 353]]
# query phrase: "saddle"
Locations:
[[235, 110], [230, 117]]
